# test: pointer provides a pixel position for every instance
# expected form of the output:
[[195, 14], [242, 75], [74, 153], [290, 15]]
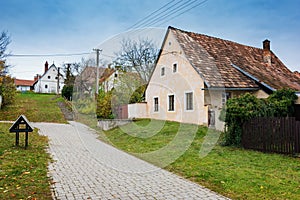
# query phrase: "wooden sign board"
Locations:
[[21, 125]]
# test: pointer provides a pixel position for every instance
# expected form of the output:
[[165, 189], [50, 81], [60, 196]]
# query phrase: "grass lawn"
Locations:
[[36, 107], [23, 173], [235, 173]]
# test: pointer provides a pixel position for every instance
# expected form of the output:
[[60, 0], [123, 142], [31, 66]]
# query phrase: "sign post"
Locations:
[[21, 125]]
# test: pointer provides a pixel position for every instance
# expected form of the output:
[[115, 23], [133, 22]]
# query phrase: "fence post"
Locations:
[[297, 137]]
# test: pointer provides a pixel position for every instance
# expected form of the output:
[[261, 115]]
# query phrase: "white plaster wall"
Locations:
[[298, 100], [215, 104], [184, 80], [137, 110], [23, 88], [261, 94]]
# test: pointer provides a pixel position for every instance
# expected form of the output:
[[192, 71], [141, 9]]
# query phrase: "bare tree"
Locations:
[[137, 56], [7, 87], [4, 41]]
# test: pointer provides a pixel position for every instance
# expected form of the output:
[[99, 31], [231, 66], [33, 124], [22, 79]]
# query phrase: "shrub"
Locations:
[[67, 92], [104, 110], [281, 103], [7, 90], [239, 110], [85, 106]]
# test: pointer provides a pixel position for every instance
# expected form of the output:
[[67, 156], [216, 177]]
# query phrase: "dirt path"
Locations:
[[68, 114]]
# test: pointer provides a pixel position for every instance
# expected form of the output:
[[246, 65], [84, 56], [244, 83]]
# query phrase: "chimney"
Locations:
[[267, 52], [46, 66]]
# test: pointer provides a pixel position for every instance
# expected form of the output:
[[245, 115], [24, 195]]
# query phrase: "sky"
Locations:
[[77, 26]]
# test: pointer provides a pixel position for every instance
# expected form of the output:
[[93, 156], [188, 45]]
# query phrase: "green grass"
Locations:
[[36, 107], [23, 172], [235, 173]]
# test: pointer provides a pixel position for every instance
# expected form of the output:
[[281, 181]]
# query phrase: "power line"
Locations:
[[167, 13], [152, 19], [138, 22], [200, 3], [47, 55]]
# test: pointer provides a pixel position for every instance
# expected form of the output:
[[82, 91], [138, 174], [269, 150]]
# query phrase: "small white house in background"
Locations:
[[24, 85], [48, 82]]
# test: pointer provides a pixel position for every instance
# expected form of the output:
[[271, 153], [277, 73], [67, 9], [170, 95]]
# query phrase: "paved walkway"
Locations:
[[86, 168]]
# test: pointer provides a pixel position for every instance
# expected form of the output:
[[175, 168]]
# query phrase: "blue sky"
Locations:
[[75, 26]]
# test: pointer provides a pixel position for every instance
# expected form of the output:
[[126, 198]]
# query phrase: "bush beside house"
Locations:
[[241, 109]]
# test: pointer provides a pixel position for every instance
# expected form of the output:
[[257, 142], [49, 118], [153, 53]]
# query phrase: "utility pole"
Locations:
[[58, 80], [97, 69]]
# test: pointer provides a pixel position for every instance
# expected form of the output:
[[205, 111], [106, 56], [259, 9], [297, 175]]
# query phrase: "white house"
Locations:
[[48, 82], [24, 85]]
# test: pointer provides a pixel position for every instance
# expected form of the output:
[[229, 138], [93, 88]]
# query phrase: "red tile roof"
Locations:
[[297, 74], [105, 74], [21, 82], [222, 63]]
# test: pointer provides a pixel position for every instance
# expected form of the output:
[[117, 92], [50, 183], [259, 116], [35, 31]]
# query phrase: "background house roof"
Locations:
[[21, 82], [214, 59]]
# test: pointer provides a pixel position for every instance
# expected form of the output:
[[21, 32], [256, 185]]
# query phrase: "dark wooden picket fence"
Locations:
[[278, 135]]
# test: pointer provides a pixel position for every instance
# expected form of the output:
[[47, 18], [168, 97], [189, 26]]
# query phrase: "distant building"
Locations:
[[48, 82], [24, 85]]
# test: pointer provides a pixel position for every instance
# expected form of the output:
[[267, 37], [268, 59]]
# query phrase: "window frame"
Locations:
[[162, 71], [225, 97], [175, 64], [187, 107], [156, 105], [171, 104]]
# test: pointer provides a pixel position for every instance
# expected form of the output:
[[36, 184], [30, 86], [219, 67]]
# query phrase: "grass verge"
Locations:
[[235, 173], [36, 107], [23, 172]]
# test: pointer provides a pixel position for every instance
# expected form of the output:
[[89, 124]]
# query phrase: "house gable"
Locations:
[[47, 83], [172, 81]]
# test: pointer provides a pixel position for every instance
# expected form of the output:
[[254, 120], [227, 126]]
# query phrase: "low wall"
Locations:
[[137, 110], [107, 124]]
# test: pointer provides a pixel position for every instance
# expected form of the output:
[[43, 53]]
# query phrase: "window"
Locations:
[[156, 104], [56, 77], [225, 97], [46, 86], [174, 67], [49, 77], [171, 103], [189, 101], [162, 72]]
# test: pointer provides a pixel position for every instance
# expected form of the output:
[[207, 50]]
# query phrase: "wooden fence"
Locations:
[[122, 112], [279, 135]]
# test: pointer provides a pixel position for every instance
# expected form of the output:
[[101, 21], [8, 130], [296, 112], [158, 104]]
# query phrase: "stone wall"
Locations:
[[107, 124]]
